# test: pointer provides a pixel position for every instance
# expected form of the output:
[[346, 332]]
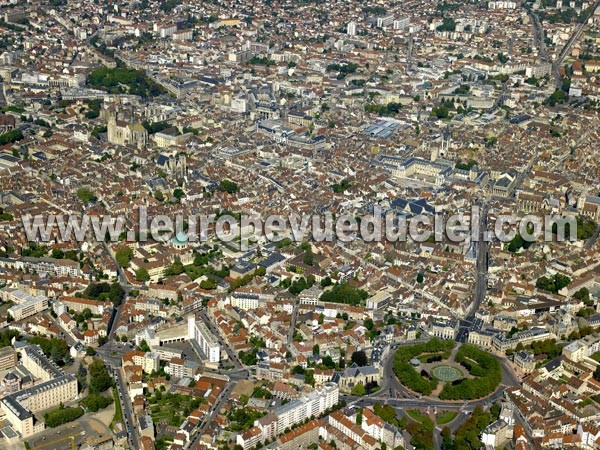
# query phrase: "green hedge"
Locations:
[[480, 364], [406, 373]]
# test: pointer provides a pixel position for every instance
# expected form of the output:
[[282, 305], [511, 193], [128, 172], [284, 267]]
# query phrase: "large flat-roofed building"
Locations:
[[382, 129], [55, 388], [16, 296], [311, 405], [209, 344], [8, 358], [29, 307], [583, 348]]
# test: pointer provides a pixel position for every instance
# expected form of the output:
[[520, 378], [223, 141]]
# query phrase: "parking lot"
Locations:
[[70, 435]]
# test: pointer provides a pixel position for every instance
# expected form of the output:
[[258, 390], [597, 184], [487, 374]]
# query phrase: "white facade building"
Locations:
[[209, 344]]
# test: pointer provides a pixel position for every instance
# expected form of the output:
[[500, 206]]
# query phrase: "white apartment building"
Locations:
[[351, 29], [312, 405], [582, 348], [58, 267], [245, 300], [164, 30], [149, 361], [29, 307], [209, 344]]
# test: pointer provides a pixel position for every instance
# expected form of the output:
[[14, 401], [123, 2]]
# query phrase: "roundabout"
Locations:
[[443, 370], [447, 374]]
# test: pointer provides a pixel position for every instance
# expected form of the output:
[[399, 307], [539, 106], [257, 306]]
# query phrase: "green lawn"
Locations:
[[118, 411], [416, 415], [445, 417]]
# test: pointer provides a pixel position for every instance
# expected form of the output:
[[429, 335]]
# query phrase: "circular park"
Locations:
[[438, 368]]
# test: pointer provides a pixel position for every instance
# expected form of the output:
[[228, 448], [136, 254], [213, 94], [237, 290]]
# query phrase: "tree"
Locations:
[[144, 347], [62, 415], [175, 269], [387, 413], [583, 295], [11, 136], [308, 257], [309, 377], [359, 415], [358, 390], [123, 256], [345, 293], [90, 351], [100, 379], [447, 443], [120, 79], [328, 362], [359, 358], [85, 195], [419, 277], [116, 294], [553, 284], [228, 186], [326, 282], [316, 349], [54, 348], [142, 274], [178, 194], [467, 435], [96, 402]]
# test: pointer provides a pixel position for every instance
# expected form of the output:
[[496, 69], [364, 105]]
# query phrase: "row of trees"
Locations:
[[62, 415], [481, 365]]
